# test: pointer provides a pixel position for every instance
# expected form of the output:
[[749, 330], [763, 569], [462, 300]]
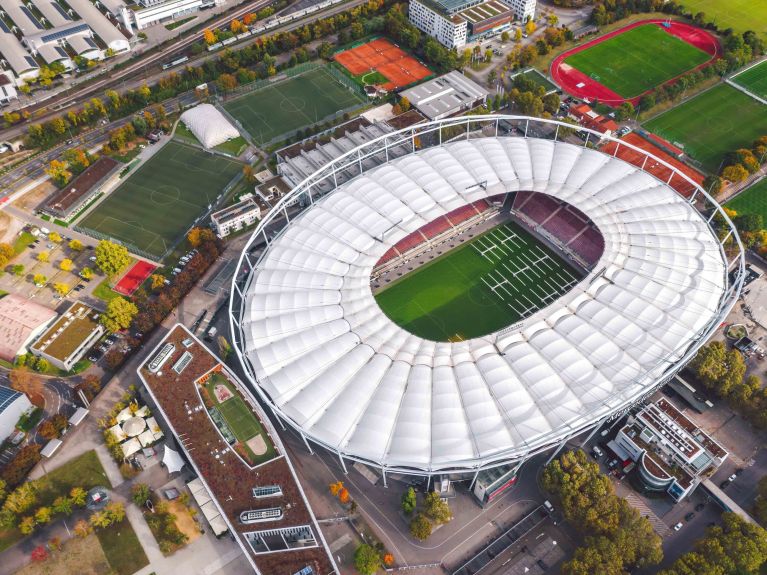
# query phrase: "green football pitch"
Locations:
[[754, 80], [286, 106], [752, 200], [637, 60], [239, 418], [718, 121], [740, 15], [498, 278], [158, 203]]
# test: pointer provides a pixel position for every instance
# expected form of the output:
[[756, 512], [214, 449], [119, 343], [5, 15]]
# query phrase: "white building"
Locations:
[[13, 404], [455, 22], [157, 11], [67, 340], [235, 217], [7, 88], [447, 95], [449, 30], [672, 453]]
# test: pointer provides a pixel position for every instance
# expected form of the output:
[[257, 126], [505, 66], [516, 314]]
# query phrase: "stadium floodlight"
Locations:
[[319, 351]]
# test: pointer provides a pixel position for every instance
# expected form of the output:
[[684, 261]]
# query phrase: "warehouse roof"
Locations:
[[19, 319]]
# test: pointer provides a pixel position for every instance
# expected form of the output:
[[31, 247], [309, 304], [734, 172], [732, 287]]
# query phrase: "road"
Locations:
[[135, 75]]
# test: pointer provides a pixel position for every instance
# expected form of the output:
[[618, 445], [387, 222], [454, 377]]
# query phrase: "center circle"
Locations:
[[292, 104], [165, 195]]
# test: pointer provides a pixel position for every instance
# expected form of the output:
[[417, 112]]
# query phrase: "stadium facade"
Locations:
[[322, 355]]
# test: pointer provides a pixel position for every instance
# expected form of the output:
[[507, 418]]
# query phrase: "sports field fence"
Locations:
[[131, 247], [330, 118], [284, 75]]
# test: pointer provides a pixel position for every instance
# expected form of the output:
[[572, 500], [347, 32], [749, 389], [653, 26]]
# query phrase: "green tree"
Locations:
[[43, 257], [713, 184], [624, 111], [66, 265], [367, 560], [111, 258], [735, 173], [140, 493], [62, 505], [119, 314], [6, 253], [86, 273], [115, 511], [21, 499], [55, 237], [420, 527], [61, 288], [436, 509], [409, 501], [718, 368], [39, 279], [27, 525], [43, 515], [78, 496], [18, 270]]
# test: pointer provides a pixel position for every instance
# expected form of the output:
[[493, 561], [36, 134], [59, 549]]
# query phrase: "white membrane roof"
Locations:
[[209, 125], [331, 361]]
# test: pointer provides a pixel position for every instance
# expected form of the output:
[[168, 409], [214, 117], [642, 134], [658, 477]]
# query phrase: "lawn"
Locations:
[[715, 122], [104, 292], [493, 281], [233, 147], [152, 210], [286, 106], [637, 60], [740, 15], [122, 548], [752, 200], [239, 417], [84, 471], [21, 242], [80, 556], [754, 80]]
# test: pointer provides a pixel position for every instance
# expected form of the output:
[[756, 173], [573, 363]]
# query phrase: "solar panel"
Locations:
[[31, 61], [7, 396], [305, 571], [90, 42], [61, 10], [267, 491], [32, 18], [61, 52], [4, 28]]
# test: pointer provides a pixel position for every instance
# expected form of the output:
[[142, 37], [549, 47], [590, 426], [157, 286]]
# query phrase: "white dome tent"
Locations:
[[329, 362], [209, 125]]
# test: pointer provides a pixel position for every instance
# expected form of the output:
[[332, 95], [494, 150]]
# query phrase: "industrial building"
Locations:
[[447, 95], [21, 321], [67, 340]]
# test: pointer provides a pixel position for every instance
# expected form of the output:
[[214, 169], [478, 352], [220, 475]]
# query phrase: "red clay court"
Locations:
[[656, 169], [380, 55], [134, 277], [583, 85]]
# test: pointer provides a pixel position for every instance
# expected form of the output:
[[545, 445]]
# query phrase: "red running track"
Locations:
[[578, 84], [134, 277]]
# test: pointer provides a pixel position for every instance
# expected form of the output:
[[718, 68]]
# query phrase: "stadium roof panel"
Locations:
[[328, 359]]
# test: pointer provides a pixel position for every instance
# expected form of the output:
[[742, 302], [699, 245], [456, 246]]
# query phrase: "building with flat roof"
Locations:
[[7, 87], [159, 11], [453, 23], [69, 200], [235, 217], [13, 404], [672, 453], [248, 477], [446, 95], [67, 340], [21, 321]]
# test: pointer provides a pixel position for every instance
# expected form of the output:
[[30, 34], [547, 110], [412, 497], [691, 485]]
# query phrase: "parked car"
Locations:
[[597, 452], [678, 526], [700, 506], [689, 517]]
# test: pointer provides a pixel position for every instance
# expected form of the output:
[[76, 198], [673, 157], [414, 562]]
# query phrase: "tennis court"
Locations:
[[286, 106], [497, 279], [713, 123], [753, 79], [398, 67], [153, 209]]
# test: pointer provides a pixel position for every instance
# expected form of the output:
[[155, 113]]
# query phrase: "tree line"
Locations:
[[616, 538]]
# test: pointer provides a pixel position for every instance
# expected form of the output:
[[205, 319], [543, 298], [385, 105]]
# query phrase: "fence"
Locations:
[[130, 246], [287, 74]]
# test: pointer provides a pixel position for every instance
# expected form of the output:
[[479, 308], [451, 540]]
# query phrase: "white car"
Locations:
[[678, 526]]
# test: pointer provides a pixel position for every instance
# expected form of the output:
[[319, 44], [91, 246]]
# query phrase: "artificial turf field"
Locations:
[[239, 418], [158, 203], [498, 278], [286, 106], [754, 80], [740, 15], [752, 200], [718, 121], [637, 60]]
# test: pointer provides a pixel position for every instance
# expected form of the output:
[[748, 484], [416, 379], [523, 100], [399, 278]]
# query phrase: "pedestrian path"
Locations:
[[657, 523]]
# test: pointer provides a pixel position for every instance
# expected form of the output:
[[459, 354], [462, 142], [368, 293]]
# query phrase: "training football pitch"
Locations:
[[718, 121], [286, 106], [158, 203], [751, 201], [754, 80], [498, 278], [740, 15], [637, 60]]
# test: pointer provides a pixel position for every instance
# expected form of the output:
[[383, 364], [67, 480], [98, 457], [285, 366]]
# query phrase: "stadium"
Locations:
[[592, 282]]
